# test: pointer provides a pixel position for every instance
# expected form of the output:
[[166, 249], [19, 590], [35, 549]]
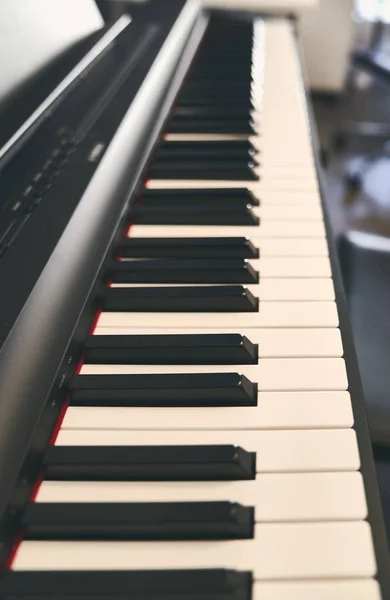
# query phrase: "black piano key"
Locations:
[[201, 100], [149, 463], [242, 102], [241, 71], [137, 521], [184, 271], [215, 85], [216, 113], [212, 169], [173, 349], [218, 91], [188, 248], [237, 197], [241, 149], [180, 299], [201, 152], [193, 215], [207, 584], [203, 125], [192, 389]]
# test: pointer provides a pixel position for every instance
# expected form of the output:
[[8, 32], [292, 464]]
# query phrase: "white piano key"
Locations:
[[279, 551], [203, 137], [271, 229], [275, 410], [277, 343], [312, 212], [351, 589], [285, 266], [275, 497], [290, 246], [271, 374], [286, 171], [274, 289], [279, 183], [278, 451], [286, 198], [297, 266], [269, 157], [271, 314], [296, 143], [263, 185]]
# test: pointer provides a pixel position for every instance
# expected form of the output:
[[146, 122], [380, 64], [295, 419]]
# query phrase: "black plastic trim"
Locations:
[[34, 359]]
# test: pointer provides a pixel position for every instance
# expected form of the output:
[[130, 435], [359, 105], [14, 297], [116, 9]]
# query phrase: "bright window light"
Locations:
[[373, 10]]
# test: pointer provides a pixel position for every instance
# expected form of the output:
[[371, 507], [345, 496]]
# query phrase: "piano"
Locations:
[[181, 414]]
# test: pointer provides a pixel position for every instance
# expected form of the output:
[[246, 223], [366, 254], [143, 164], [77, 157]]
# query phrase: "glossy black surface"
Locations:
[[180, 299], [194, 389], [222, 198], [209, 584], [226, 169], [184, 271], [191, 215], [138, 521], [179, 349], [149, 463], [188, 248]]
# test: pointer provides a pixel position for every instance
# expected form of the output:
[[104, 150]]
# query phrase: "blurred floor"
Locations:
[[371, 209]]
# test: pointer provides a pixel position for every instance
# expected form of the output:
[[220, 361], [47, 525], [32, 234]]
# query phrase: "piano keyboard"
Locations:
[[208, 449]]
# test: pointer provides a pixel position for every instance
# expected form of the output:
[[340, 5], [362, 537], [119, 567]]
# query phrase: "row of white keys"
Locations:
[[289, 213], [277, 197], [276, 497], [267, 228], [277, 451], [274, 411], [278, 551], [307, 184], [292, 247], [271, 314], [349, 589]]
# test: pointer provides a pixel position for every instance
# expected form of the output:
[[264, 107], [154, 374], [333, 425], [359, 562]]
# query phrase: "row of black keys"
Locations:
[[173, 349], [220, 76], [184, 271], [219, 71], [196, 207], [218, 298], [166, 520], [138, 521], [207, 584], [230, 159], [167, 389]]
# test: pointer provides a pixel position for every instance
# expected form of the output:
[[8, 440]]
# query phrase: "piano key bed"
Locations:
[[210, 447]]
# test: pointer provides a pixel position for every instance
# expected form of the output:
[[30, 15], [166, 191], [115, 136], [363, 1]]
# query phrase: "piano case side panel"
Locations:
[[38, 357]]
